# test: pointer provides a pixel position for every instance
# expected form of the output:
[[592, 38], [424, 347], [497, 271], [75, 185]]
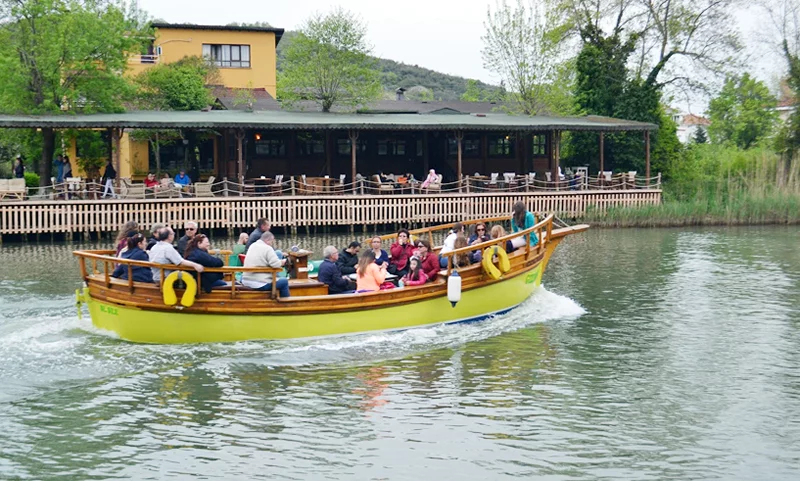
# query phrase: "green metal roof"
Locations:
[[282, 120]]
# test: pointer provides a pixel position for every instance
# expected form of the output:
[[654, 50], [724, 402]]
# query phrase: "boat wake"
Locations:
[[47, 347]]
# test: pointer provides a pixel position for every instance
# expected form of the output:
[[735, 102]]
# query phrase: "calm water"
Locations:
[[649, 354]]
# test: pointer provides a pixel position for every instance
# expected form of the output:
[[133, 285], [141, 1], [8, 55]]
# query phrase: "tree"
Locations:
[[328, 62], [60, 56], [182, 85], [521, 49], [743, 113], [700, 136]]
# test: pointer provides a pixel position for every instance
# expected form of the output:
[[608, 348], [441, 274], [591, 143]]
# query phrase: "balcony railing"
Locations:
[[143, 59]]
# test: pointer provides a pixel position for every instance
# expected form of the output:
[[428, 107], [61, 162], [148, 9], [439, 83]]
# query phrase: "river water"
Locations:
[[648, 354]]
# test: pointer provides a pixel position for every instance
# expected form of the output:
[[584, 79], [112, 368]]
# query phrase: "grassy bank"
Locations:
[[716, 185]]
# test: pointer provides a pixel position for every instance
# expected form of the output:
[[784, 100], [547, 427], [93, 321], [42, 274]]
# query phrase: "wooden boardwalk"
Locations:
[[84, 216]]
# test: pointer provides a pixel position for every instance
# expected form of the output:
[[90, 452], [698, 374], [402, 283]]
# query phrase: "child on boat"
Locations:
[[415, 276]]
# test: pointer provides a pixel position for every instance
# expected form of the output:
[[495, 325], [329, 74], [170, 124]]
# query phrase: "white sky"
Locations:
[[443, 35]]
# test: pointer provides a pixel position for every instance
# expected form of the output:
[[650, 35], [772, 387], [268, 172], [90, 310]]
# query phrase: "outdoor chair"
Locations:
[[203, 189], [530, 179], [548, 176], [631, 179], [277, 187], [510, 179], [12, 188], [382, 187], [129, 189], [435, 186], [492, 184], [339, 188]]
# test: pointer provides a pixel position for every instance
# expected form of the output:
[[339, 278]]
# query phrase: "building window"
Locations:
[[343, 147], [470, 146], [391, 147], [270, 145], [229, 56], [310, 145], [501, 146], [539, 145]]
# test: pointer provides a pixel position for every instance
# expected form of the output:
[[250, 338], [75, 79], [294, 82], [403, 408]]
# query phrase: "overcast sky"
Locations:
[[443, 35]]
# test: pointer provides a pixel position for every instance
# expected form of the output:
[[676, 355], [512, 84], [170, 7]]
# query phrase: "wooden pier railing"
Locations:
[[45, 217]]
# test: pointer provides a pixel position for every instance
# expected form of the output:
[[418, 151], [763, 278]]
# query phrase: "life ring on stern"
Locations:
[[168, 289], [488, 265]]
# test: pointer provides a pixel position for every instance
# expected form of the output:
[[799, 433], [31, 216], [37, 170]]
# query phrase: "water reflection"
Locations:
[[683, 365]]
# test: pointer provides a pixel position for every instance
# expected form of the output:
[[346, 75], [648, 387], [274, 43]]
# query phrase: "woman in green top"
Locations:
[[521, 219], [239, 248]]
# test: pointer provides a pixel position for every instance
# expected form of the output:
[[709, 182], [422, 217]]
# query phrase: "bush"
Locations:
[[31, 179]]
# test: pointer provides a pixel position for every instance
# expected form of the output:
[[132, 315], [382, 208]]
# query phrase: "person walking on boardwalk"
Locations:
[[108, 180]]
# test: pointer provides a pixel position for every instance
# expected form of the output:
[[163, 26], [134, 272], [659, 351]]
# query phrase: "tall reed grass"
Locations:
[[717, 185]]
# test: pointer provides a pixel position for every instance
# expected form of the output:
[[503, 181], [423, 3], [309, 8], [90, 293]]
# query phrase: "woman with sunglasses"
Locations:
[[197, 251], [135, 252], [381, 257], [429, 260], [480, 235], [401, 250]]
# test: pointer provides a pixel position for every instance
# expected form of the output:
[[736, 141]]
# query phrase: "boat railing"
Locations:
[[543, 227], [106, 259]]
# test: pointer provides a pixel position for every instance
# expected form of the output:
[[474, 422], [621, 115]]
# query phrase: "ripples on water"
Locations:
[[681, 364]]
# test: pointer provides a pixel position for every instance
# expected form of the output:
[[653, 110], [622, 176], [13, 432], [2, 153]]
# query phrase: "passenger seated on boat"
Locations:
[[463, 259], [135, 252], [128, 230], [153, 240], [197, 251], [480, 235], [190, 229], [498, 232], [415, 276], [521, 220], [239, 248], [370, 275], [348, 259], [330, 274], [401, 250], [450, 242], [381, 256], [262, 254], [164, 253], [428, 259]]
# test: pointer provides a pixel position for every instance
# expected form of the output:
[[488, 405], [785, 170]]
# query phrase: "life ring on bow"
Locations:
[[168, 289], [488, 264]]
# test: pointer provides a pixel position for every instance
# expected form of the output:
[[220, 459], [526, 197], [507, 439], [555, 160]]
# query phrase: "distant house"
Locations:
[[688, 125]]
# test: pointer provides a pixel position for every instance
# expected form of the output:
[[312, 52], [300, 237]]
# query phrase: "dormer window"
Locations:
[[228, 56]]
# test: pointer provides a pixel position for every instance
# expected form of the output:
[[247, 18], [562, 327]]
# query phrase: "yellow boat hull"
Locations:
[[177, 327]]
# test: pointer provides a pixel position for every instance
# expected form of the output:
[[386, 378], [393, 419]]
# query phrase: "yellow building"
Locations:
[[246, 59]]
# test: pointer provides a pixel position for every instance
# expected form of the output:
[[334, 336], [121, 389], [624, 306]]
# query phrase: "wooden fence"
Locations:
[[45, 217]]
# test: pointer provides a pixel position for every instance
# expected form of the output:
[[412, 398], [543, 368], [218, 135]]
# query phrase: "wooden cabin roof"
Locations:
[[284, 120]]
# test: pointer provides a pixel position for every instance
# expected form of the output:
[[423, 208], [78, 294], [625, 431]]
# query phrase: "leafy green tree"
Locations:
[[521, 48], [61, 56], [328, 62], [473, 93], [743, 113], [182, 85]]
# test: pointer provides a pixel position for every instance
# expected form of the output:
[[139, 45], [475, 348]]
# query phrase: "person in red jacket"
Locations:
[[401, 250], [428, 258]]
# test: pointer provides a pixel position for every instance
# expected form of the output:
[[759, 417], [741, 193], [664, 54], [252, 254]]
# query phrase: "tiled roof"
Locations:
[[229, 28]]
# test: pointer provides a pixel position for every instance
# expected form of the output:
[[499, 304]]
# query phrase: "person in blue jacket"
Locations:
[[182, 179], [331, 275], [522, 219], [136, 252], [197, 251]]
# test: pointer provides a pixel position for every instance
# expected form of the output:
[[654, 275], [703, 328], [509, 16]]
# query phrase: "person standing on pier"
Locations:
[[19, 168], [108, 180]]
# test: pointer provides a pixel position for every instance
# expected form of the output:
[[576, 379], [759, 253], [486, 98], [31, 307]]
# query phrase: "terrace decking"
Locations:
[[85, 216]]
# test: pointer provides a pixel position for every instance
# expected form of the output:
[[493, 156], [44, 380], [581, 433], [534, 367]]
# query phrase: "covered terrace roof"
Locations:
[[282, 120]]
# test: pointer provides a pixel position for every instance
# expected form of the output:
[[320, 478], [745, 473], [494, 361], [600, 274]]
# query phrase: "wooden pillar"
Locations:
[[116, 137], [556, 136], [647, 156], [328, 151], [240, 148], [459, 139], [602, 151], [485, 154], [353, 134], [425, 154]]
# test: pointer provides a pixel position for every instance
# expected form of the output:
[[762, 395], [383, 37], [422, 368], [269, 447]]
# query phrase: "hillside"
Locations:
[[397, 74]]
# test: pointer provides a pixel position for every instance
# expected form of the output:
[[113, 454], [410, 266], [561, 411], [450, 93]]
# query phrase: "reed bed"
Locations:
[[716, 185]]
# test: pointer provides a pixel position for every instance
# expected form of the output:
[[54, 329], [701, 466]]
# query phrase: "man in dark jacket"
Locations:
[[330, 274], [348, 259], [261, 227]]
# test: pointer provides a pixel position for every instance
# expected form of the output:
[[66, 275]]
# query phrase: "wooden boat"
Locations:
[[137, 312]]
